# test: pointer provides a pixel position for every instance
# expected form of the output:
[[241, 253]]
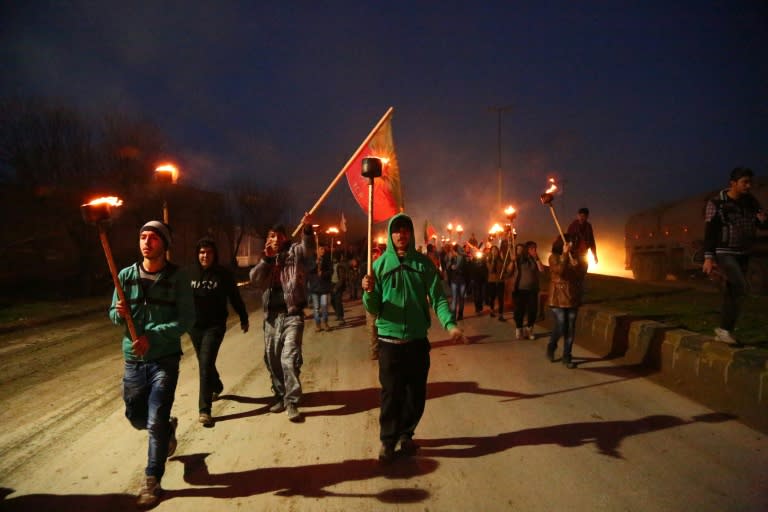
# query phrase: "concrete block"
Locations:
[[641, 337]]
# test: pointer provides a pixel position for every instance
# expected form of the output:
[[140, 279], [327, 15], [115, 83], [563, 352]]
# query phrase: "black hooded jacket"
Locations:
[[212, 288]]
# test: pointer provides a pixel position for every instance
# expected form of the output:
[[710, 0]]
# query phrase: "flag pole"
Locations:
[[384, 118], [371, 169]]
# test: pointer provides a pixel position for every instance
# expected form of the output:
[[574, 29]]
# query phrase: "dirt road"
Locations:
[[504, 429]]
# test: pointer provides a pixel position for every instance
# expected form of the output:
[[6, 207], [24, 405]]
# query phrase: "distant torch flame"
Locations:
[[496, 228], [552, 187], [110, 200], [169, 170], [509, 211]]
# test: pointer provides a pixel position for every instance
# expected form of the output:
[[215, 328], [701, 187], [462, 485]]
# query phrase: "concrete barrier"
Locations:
[[724, 378]]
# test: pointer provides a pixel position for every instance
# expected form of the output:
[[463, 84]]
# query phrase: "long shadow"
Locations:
[[449, 342], [66, 502], [606, 435], [308, 481], [366, 399]]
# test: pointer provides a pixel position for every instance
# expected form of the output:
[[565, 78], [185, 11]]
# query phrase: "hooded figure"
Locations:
[[404, 284]]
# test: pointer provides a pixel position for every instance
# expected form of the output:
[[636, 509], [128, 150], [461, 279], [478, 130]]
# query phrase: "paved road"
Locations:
[[504, 429]]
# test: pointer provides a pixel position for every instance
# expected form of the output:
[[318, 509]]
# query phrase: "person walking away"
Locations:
[[528, 268], [213, 286], [731, 222], [281, 274], [566, 277], [338, 285], [320, 272], [583, 238], [495, 288], [399, 292], [160, 303]]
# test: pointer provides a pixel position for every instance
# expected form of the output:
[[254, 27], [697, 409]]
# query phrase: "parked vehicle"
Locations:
[[668, 240]]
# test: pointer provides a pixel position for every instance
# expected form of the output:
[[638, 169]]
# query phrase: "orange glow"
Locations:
[[479, 254], [459, 229], [496, 228], [449, 227], [333, 230], [110, 200], [171, 169], [509, 211], [552, 187]]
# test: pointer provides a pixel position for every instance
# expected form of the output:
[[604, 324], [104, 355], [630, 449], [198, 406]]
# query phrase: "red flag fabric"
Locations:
[[429, 231], [387, 197]]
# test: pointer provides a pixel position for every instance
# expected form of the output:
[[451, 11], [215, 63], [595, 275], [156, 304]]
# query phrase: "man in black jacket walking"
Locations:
[[213, 286]]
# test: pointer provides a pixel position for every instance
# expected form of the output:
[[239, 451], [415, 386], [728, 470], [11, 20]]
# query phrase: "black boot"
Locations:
[[568, 363]]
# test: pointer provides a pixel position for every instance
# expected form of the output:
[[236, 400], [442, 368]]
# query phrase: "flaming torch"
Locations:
[[546, 199], [511, 235], [99, 213]]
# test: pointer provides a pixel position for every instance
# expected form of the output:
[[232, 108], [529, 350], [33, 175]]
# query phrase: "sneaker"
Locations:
[[277, 407], [568, 363], [342, 322], [518, 334], [531, 336], [214, 396], [407, 446], [318, 328], [326, 326], [293, 412], [149, 492], [172, 442], [386, 453], [724, 336], [551, 354], [206, 419], [493, 313]]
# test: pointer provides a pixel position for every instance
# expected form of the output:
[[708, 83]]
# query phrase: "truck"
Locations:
[[667, 241]]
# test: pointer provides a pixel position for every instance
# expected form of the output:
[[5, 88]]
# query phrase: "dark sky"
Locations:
[[626, 103]]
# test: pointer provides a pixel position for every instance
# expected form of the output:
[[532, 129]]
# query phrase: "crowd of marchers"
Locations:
[[157, 302]]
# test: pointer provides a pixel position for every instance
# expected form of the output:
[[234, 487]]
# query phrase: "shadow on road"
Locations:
[[307, 481], [606, 435]]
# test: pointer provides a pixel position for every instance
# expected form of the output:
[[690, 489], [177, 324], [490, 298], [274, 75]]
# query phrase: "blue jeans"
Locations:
[[457, 299], [207, 343], [283, 336], [148, 391], [734, 269], [320, 306], [564, 325]]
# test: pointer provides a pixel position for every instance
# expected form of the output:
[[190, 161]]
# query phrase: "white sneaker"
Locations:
[[518, 334], [725, 336], [530, 334]]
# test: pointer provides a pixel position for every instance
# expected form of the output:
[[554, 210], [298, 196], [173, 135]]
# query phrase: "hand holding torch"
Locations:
[[99, 213]]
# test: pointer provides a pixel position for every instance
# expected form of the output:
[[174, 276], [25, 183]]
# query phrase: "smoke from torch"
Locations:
[[99, 213]]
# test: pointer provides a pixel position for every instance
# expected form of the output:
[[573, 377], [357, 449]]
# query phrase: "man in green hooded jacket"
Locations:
[[399, 292]]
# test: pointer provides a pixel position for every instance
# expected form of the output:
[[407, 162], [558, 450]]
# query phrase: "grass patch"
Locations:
[[694, 308]]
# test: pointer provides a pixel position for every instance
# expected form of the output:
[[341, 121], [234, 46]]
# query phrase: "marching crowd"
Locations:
[[163, 302]]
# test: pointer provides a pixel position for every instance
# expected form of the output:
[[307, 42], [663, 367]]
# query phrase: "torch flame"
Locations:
[[496, 228], [169, 168], [552, 187], [110, 200], [509, 211]]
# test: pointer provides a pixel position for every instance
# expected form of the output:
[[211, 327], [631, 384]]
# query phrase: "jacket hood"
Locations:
[[396, 222]]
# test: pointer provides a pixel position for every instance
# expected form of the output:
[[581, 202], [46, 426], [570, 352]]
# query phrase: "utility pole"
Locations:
[[499, 111]]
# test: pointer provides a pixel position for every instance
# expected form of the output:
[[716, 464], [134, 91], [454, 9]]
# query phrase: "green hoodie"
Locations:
[[403, 291]]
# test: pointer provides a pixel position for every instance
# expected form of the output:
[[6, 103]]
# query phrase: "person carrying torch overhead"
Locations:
[[159, 302]]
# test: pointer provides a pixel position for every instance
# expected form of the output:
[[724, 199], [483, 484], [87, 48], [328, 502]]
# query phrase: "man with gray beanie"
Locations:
[[160, 303]]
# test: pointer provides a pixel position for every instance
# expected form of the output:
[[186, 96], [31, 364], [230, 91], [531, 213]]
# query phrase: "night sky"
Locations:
[[626, 104]]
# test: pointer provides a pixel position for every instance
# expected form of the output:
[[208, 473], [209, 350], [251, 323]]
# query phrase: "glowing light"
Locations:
[[496, 228], [333, 230], [169, 170], [110, 200], [552, 187], [449, 227]]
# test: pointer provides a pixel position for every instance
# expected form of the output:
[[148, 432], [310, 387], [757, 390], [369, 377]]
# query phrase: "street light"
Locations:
[[333, 231], [166, 174], [499, 111]]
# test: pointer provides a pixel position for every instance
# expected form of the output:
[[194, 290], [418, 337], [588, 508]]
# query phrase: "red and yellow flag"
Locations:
[[387, 196]]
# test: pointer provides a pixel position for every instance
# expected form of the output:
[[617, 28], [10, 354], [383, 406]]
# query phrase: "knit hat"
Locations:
[[160, 229]]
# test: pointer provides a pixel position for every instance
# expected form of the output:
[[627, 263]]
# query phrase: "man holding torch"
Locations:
[[399, 292], [159, 303]]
